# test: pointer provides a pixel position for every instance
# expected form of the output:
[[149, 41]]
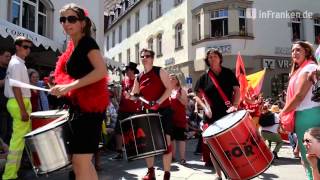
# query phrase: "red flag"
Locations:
[[241, 76]]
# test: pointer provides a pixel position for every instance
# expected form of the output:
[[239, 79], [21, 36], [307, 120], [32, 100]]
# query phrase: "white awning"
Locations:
[[10, 29]]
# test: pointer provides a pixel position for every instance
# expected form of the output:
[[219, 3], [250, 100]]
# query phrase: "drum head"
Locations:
[[48, 114], [224, 123], [46, 128], [140, 115]]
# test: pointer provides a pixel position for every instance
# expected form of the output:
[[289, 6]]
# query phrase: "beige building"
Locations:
[[180, 32]]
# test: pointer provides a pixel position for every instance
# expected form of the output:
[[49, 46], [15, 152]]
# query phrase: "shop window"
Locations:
[[159, 45], [198, 18], [120, 33], [158, 8], [150, 43], [317, 30], [219, 23], [178, 36], [128, 56], [128, 27], [137, 52], [150, 12], [137, 19], [296, 26], [242, 22], [113, 38], [107, 43], [120, 57]]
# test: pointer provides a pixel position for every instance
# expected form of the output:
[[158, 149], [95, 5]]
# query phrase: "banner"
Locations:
[[241, 76], [255, 81]]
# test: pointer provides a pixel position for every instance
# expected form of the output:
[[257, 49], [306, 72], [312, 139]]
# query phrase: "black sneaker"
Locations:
[[275, 155], [117, 157]]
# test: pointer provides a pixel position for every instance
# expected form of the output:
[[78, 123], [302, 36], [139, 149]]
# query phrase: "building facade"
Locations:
[[39, 21], [181, 31]]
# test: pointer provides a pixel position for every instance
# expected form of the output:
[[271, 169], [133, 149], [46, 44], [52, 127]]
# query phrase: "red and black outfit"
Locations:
[[179, 118], [127, 107], [87, 105], [152, 88]]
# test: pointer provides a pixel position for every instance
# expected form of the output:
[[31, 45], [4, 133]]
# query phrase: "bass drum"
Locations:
[[47, 146]]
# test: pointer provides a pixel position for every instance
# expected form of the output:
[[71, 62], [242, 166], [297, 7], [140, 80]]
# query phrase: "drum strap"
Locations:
[[220, 91]]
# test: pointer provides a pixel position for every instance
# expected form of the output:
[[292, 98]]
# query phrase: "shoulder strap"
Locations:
[[157, 70], [220, 91]]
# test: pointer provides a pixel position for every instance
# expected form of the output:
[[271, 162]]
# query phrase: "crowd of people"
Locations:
[[79, 83]]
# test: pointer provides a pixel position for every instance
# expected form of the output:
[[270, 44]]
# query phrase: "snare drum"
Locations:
[[143, 136], [41, 118], [238, 147], [47, 146]]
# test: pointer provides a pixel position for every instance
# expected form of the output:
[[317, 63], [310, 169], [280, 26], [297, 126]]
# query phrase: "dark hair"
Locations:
[[20, 39], [314, 132], [309, 53], [214, 51], [149, 51], [3, 50], [81, 15]]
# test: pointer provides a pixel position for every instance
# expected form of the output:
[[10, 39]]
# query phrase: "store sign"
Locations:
[[282, 51], [272, 63], [169, 61], [224, 49], [15, 33]]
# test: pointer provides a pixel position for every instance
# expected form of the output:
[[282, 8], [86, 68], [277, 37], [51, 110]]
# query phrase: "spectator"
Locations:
[[311, 141], [39, 99]]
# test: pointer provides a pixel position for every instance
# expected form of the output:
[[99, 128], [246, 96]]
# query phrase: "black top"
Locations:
[[79, 64], [227, 80]]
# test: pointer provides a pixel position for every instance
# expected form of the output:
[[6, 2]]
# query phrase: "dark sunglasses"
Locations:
[[26, 47], [145, 56], [70, 19], [306, 141]]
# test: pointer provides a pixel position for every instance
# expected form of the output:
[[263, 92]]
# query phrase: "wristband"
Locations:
[[158, 101]]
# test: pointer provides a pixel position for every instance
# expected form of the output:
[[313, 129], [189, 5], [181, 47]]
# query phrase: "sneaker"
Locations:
[[117, 157], [166, 175], [150, 174], [275, 155], [183, 162]]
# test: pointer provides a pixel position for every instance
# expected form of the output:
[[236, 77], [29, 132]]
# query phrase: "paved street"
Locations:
[[285, 168]]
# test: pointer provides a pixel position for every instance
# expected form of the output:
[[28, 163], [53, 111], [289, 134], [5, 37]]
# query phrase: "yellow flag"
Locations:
[[255, 81]]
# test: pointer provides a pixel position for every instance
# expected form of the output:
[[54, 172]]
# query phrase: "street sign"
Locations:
[[189, 80]]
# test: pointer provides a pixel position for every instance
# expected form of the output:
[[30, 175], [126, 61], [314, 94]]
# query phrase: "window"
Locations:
[[137, 19], [219, 23], [159, 45], [120, 57], [150, 12], [242, 22], [177, 2], [150, 43], [113, 38], [120, 33], [128, 27], [158, 8], [107, 43], [137, 52], [198, 18], [178, 35], [296, 28], [317, 30], [30, 14], [128, 56]]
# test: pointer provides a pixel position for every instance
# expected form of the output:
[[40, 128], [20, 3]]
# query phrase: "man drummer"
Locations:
[[229, 84], [18, 105], [126, 106], [154, 85]]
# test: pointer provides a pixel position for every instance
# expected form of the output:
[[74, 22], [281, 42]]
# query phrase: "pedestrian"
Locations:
[[127, 107], [81, 76], [154, 85], [178, 100], [311, 142], [299, 95], [18, 105], [5, 118], [39, 99], [220, 104]]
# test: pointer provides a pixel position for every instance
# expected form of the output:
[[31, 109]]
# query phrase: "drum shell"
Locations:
[[143, 136], [240, 150], [41, 118], [48, 150]]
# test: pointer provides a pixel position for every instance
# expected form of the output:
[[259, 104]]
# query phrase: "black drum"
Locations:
[[143, 136]]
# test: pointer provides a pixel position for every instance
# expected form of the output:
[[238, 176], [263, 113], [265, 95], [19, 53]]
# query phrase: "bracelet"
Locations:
[[158, 101]]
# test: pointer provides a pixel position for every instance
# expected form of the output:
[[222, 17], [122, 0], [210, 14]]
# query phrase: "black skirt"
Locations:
[[86, 131]]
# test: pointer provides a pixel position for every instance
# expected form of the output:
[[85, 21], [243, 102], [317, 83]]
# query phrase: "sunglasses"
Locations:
[[70, 19], [306, 141], [145, 56], [26, 47]]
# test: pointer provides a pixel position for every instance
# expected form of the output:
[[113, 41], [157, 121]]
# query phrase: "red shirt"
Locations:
[[179, 111], [152, 88], [127, 105]]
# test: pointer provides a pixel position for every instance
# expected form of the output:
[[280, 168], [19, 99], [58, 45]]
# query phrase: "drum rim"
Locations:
[[227, 129], [140, 115], [57, 113], [148, 154], [32, 135], [52, 170]]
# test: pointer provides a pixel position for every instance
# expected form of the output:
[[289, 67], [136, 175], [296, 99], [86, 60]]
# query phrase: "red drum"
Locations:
[[238, 147], [143, 136], [41, 118]]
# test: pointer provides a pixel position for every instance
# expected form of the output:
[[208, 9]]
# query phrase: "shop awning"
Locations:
[[112, 64], [12, 30]]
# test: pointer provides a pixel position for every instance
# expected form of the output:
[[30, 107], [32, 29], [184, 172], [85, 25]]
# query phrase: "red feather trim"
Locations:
[[91, 98]]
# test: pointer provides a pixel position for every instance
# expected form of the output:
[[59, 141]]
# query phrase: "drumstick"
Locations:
[[20, 84], [144, 100]]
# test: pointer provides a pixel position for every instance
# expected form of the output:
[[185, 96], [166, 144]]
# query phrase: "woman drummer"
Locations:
[[154, 85], [81, 76]]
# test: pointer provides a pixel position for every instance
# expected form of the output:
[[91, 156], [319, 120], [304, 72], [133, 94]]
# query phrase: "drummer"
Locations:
[[154, 85], [126, 106], [229, 84]]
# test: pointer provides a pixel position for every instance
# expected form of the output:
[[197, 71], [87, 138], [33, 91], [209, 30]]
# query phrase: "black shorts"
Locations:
[[178, 134], [166, 120], [121, 116], [86, 132]]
